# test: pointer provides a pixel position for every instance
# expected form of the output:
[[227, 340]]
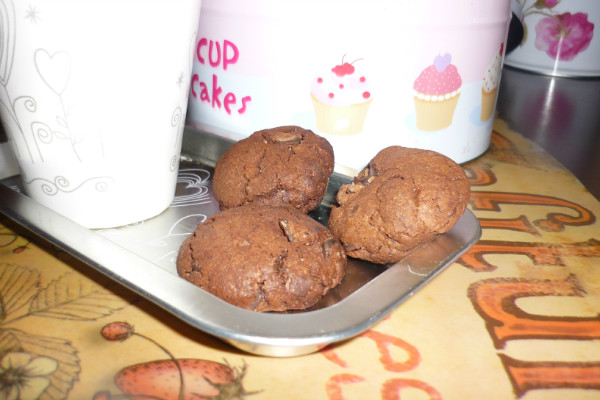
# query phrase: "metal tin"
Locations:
[[359, 73], [561, 38], [142, 257]]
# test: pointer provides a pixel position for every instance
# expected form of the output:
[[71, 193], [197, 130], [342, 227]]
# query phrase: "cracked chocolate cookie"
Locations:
[[285, 166], [400, 201], [263, 258]]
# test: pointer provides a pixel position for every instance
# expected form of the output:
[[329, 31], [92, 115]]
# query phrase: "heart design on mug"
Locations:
[[55, 69]]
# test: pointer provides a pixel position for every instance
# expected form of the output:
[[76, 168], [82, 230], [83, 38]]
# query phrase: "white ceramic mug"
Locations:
[[93, 98]]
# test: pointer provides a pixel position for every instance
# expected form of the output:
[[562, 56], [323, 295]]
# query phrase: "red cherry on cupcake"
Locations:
[[343, 70]]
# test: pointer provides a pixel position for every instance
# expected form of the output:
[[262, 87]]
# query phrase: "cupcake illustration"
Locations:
[[341, 99], [489, 89], [436, 92]]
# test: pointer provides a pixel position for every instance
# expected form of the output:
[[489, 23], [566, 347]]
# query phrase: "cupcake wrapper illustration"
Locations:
[[488, 101], [435, 115], [340, 120]]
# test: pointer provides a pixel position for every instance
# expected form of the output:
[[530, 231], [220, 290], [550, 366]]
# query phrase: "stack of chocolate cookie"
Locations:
[[263, 253]]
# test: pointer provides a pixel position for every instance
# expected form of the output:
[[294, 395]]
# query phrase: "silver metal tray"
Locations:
[[142, 257]]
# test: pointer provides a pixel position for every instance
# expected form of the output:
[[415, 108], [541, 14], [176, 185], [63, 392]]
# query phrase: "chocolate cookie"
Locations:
[[285, 166], [400, 201], [263, 258]]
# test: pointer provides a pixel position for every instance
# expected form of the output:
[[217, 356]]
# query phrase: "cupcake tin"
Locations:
[[142, 257], [365, 74]]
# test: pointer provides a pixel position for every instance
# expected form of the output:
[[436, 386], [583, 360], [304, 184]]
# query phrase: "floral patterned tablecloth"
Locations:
[[516, 317]]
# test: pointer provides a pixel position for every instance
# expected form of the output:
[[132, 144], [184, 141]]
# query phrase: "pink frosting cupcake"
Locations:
[[341, 99], [436, 93]]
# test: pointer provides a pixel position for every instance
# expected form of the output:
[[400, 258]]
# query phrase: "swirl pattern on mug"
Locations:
[[62, 184]]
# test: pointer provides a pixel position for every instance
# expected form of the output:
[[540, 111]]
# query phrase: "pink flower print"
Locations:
[[564, 36]]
